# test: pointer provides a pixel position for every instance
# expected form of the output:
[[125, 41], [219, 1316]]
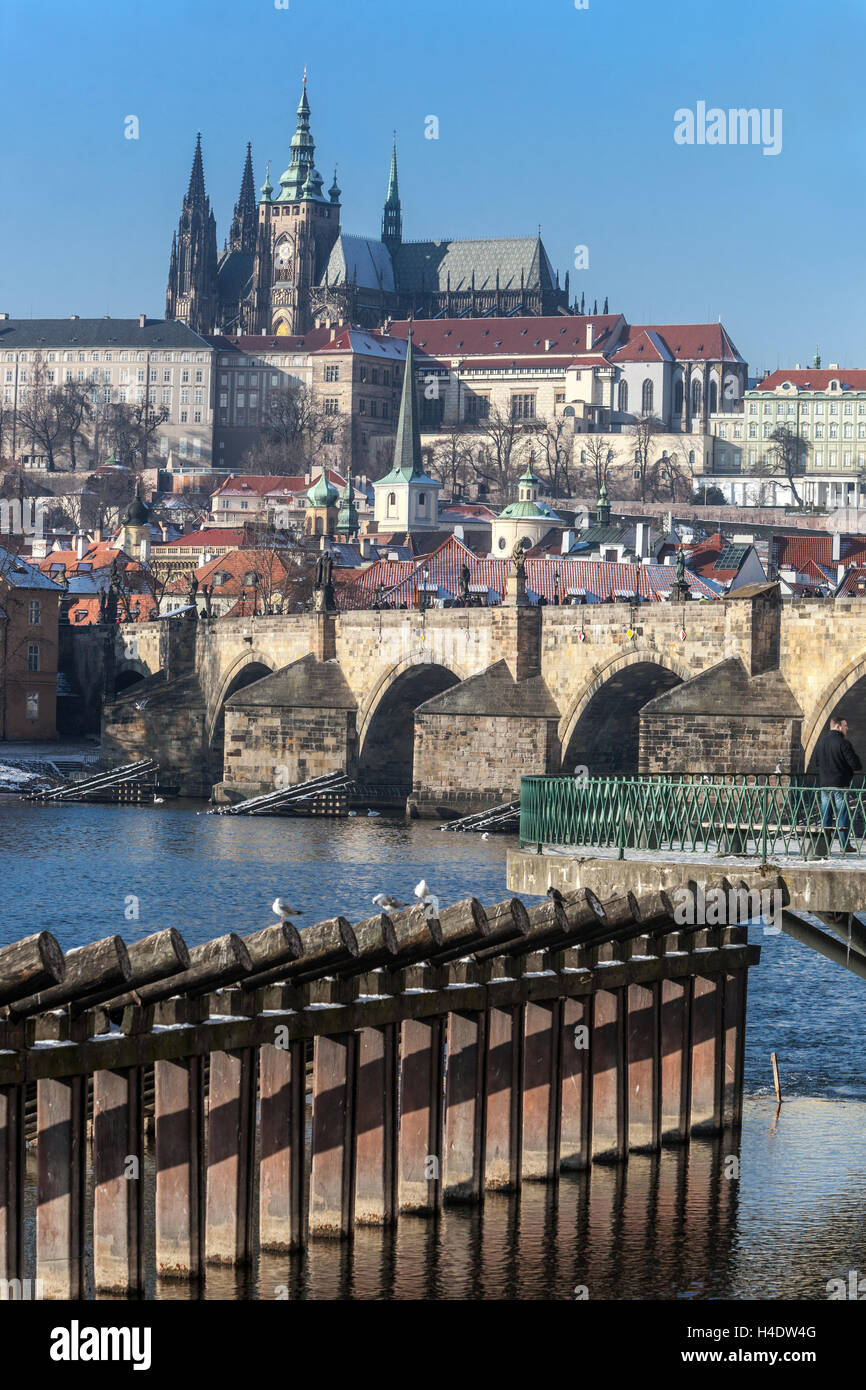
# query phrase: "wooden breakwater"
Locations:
[[451, 1055]]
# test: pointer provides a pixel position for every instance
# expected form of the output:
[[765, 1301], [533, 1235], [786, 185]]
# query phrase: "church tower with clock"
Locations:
[[296, 232]]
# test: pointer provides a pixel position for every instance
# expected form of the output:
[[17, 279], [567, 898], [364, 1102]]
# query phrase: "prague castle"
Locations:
[[288, 266]]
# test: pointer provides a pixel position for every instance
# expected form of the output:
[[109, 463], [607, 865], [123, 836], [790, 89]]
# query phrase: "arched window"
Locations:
[[623, 396], [646, 399], [318, 526], [422, 499], [714, 397], [678, 397], [696, 396], [392, 503]]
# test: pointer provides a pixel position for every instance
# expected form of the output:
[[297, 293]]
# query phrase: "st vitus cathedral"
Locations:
[[287, 265]]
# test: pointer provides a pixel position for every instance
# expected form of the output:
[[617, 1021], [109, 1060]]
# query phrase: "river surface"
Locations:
[[661, 1227]]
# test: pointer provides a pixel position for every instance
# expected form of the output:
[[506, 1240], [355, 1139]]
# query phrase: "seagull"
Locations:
[[554, 894], [282, 909], [141, 704], [388, 903], [374, 813], [426, 899], [485, 836]]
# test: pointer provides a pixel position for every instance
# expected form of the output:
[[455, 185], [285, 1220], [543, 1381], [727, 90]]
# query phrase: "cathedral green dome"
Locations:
[[323, 493]]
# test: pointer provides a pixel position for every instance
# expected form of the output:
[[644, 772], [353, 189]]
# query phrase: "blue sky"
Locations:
[[547, 114]]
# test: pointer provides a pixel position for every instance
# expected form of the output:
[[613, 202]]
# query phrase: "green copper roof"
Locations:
[[347, 520], [322, 493], [529, 476], [301, 180], [528, 509]]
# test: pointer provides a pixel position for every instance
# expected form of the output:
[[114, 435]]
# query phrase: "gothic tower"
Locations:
[[191, 293], [296, 231], [392, 217], [242, 236]]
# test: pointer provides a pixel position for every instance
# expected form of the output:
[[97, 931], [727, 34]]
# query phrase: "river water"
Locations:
[[662, 1227]]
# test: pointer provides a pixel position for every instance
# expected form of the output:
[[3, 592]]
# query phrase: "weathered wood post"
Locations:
[[11, 1181], [705, 1048], [464, 1107], [333, 1145], [118, 1180], [282, 1073], [230, 1156], [376, 1127], [734, 1024], [607, 1055], [61, 1124], [502, 1127], [575, 1082], [540, 1090], [179, 1116], [675, 1069], [419, 1187], [643, 1065]]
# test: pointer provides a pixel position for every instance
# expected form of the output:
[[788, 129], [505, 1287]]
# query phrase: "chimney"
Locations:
[[97, 534], [73, 318], [567, 542], [837, 547], [80, 546], [640, 540], [4, 317], [142, 320], [589, 335], [834, 366]]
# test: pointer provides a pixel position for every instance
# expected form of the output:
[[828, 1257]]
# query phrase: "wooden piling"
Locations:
[[61, 1105], [675, 1061], [706, 1054], [118, 1180], [502, 1090], [282, 1072], [541, 1091], [607, 1052], [230, 1157], [643, 1066], [179, 1127], [734, 1047], [419, 1187], [11, 1181], [333, 1144], [575, 1082], [464, 1108], [376, 1127]]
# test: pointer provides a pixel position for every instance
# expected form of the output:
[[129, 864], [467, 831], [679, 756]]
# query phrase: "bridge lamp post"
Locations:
[[255, 583], [556, 587], [425, 574]]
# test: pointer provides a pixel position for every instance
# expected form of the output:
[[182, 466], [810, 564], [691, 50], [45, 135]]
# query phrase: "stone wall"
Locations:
[[468, 764], [270, 747], [165, 720], [699, 743]]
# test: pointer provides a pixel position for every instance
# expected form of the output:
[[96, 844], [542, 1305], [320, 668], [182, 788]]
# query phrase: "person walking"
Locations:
[[837, 762]]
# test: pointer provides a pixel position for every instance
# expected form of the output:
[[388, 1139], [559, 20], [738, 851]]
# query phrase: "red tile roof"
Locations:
[[265, 484], [273, 342], [98, 556], [694, 341], [524, 336], [812, 379]]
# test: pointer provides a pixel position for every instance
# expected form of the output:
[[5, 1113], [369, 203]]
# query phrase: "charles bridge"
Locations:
[[459, 703]]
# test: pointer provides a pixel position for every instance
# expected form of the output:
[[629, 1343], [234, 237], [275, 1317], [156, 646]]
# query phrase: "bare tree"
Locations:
[[644, 431], [599, 456], [74, 408], [38, 414], [787, 457], [502, 443], [554, 441], [129, 428], [451, 457]]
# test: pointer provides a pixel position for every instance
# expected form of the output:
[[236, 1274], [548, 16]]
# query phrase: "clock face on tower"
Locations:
[[284, 253]]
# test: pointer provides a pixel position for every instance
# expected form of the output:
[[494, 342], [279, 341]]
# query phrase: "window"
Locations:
[[184, 376], [384, 410], [32, 705], [374, 409], [623, 396], [332, 371], [33, 656], [422, 501], [523, 407], [646, 398], [35, 612], [199, 400], [392, 504], [331, 405], [327, 436], [199, 376]]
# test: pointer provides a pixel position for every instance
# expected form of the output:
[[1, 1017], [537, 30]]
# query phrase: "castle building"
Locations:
[[288, 266]]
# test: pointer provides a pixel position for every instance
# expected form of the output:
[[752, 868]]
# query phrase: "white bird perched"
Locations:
[[141, 704], [388, 903], [374, 813], [158, 800], [426, 899], [485, 836], [282, 909]]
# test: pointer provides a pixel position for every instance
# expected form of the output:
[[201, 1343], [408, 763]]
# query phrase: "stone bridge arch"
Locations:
[[847, 692], [386, 720], [249, 667], [129, 672], [600, 727]]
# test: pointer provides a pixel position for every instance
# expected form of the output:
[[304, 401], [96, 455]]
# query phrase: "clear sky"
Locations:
[[547, 114]]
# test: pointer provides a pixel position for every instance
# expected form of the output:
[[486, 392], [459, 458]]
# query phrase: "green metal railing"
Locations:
[[777, 816]]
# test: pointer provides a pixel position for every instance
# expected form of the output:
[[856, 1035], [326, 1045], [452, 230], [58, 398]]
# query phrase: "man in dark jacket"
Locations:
[[837, 762]]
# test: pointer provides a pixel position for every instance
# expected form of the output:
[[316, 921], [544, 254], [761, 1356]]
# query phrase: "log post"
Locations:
[[503, 1076], [376, 1127], [421, 1084], [464, 1107], [705, 1046], [607, 1053], [642, 1063], [540, 1099], [153, 958], [11, 1181], [675, 1070], [30, 965], [734, 1047], [118, 1180], [282, 1073], [179, 1115], [333, 1145], [575, 1082], [61, 1125], [88, 968], [230, 1157]]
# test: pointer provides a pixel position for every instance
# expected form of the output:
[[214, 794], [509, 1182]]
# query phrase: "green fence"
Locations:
[[766, 817]]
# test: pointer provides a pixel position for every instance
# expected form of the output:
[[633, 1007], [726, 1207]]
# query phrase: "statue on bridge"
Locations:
[[191, 591], [681, 589], [323, 588], [515, 586], [463, 588]]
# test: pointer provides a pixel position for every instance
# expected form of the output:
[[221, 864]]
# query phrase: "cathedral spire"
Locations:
[[242, 236], [392, 217], [302, 159], [196, 195]]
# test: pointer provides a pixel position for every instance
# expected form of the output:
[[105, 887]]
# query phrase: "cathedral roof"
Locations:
[[362, 259], [97, 333], [432, 265], [234, 275]]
